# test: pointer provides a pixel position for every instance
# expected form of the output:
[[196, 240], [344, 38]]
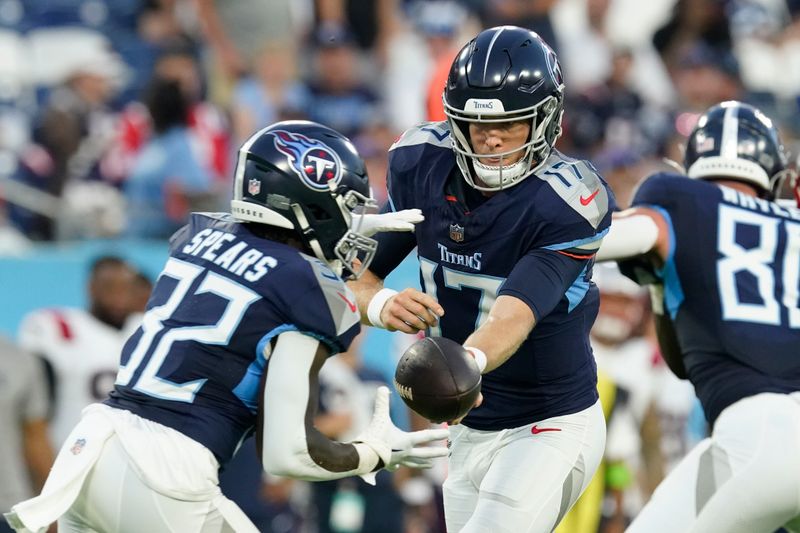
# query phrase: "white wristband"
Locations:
[[367, 462], [480, 357], [376, 306]]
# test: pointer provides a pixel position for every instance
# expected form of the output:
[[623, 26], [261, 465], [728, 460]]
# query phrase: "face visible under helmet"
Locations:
[[504, 74], [734, 140], [306, 177]]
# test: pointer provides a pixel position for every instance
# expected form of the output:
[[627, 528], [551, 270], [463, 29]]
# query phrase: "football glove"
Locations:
[[368, 225], [396, 447]]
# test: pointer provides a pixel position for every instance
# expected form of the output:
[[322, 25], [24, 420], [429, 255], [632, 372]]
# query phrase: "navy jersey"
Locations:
[[730, 286], [196, 362], [534, 241]]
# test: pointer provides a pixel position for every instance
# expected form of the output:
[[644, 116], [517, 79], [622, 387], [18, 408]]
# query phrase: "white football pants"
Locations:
[[745, 478], [119, 473], [115, 500], [521, 480]]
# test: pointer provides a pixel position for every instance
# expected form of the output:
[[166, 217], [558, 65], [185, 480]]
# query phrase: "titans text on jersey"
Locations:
[[534, 241], [204, 380]]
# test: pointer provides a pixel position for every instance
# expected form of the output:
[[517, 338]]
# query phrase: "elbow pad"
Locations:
[[285, 401], [628, 237]]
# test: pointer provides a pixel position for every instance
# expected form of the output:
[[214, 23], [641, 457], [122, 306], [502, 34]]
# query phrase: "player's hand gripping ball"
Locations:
[[438, 379]]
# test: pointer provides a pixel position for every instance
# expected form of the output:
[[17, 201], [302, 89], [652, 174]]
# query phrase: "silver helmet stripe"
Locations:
[[489, 52], [729, 145]]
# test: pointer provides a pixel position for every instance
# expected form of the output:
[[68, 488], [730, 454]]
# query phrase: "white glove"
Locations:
[[396, 447], [369, 225]]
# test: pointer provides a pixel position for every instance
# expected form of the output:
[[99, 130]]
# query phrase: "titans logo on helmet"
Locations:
[[554, 66], [316, 164]]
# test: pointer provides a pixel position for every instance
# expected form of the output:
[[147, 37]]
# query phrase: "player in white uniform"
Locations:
[[80, 347]]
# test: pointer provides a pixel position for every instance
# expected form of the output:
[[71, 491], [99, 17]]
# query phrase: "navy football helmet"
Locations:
[[306, 177], [504, 74], [734, 140]]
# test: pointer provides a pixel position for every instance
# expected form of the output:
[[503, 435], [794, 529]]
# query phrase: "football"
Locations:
[[438, 379]]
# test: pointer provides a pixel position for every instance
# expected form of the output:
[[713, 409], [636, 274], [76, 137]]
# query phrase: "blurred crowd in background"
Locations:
[[119, 117]]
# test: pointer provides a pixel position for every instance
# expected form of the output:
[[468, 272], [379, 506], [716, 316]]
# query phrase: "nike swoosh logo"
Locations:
[[536, 430], [350, 304], [588, 199]]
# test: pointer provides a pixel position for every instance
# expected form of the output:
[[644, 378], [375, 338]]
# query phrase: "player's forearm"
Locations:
[[318, 458], [290, 444], [509, 324], [339, 459]]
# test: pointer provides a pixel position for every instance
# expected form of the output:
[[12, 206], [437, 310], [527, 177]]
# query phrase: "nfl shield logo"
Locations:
[[254, 187], [704, 144], [456, 232], [78, 446]]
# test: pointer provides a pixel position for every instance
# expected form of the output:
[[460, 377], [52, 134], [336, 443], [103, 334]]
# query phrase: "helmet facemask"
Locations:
[[354, 250], [545, 127], [349, 255], [785, 187]]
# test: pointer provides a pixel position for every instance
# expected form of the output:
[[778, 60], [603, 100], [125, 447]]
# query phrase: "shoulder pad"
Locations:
[[579, 185], [435, 133], [340, 299]]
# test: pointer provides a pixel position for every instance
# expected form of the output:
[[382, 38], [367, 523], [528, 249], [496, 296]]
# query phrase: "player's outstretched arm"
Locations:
[[509, 324], [635, 231], [409, 310], [291, 446]]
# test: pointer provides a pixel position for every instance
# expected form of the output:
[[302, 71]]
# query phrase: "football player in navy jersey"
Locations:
[[725, 262], [506, 253], [245, 312]]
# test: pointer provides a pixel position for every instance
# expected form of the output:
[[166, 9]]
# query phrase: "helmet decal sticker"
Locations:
[[317, 165]]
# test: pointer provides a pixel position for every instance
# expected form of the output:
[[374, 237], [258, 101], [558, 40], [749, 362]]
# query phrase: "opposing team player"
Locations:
[[80, 347], [727, 259], [245, 312], [506, 253]]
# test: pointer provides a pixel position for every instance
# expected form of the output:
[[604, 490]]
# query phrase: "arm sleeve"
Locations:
[[288, 444], [543, 277], [655, 192]]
